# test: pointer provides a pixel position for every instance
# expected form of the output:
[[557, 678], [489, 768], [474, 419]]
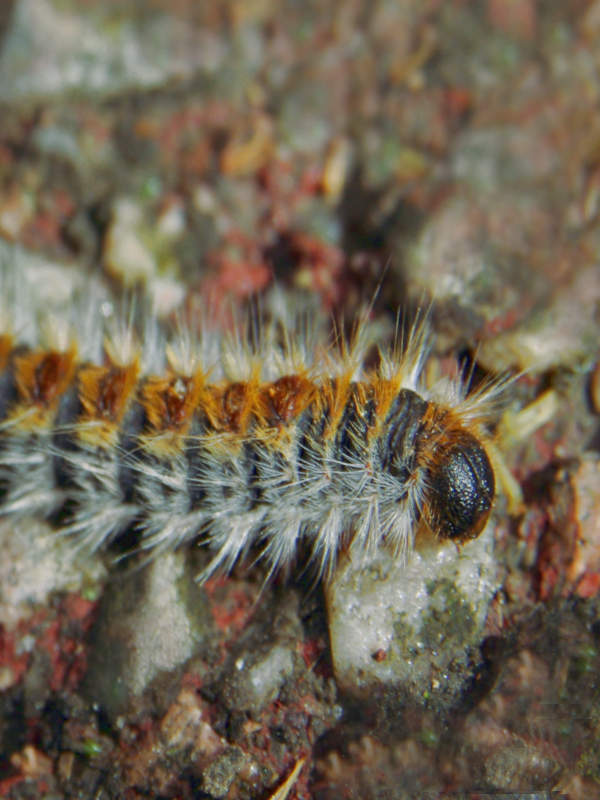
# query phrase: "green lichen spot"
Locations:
[[403, 633], [448, 617]]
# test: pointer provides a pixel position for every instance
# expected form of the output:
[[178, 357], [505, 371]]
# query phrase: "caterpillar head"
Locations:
[[460, 488], [455, 475]]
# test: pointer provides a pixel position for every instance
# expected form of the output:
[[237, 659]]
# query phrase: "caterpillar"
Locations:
[[109, 425]]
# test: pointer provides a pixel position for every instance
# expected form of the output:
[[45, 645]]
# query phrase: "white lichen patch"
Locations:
[[35, 563]]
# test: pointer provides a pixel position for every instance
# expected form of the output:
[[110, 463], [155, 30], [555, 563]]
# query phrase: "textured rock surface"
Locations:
[[261, 664], [413, 627], [149, 624]]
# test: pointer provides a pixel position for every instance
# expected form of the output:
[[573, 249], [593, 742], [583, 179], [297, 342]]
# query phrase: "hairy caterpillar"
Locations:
[[110, 425]]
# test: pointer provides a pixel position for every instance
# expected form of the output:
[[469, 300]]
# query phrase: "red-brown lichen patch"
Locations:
[[13, 664], [231, 603], [312, 651], [583, 573], [79, 609], [319, 267], [238, 270], [557, 541], [66, 651]]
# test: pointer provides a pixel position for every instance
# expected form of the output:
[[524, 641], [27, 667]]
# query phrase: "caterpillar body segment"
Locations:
[[259, 448]]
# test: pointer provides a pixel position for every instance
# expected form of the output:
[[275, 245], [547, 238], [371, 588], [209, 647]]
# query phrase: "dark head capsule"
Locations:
[[426, 440], [459, 490]]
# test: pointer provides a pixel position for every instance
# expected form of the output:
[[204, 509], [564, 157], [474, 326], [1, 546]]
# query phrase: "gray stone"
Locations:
[[411, 626], [150, 622], [563, 333], [218, 776], [518, 767], [261, 666], [505, 155], [259, 677], [49, 49], [473, 276]]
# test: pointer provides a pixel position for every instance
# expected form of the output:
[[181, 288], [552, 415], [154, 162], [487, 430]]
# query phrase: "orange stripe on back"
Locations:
[[105, 394], [41, 377], [6, 347]]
